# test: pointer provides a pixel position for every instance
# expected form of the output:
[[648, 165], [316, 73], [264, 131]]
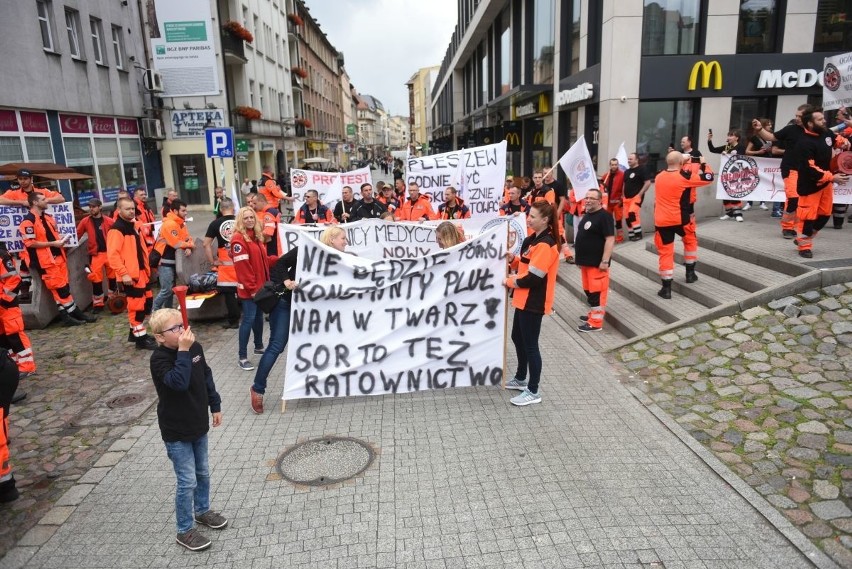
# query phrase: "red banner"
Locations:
[[74, 124], [8, 121], [34, 122], [103, 125], [128, 126]]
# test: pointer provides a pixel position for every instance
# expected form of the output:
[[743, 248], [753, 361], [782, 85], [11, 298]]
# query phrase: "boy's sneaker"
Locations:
[[763, 206], [525, 398], [588, 328], [246, 365], [517, 384], [259, 351], [193, 541], [211, 519]]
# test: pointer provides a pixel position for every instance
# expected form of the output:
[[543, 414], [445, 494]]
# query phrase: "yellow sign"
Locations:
[[538, 138], [543, 104], [513, 138], [707, 72]]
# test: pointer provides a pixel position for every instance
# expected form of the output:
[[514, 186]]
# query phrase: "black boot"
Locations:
[[19, 396], [8, 492], [80, 315], [146, 343], [69, 320], [691, 277], [666, 291]]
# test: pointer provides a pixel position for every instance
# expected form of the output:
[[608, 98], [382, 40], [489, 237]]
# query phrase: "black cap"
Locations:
[[24, 173]]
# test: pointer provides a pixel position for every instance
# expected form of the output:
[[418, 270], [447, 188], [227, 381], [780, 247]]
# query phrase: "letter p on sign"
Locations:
[[220, 142]]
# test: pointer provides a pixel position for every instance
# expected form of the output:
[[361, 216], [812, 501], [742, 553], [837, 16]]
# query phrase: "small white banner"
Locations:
[[837, 81], [373, 327], [748, 178], [12, 215], [329, 185]]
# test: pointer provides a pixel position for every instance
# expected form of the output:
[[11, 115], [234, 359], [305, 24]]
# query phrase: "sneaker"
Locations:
[[246, 365], [763, 206], [19, 396], [806, 253], [256, 401], [146, 343], [739, 218], [211, 519], [525, 398], [788, 233], [776, 215], [588, 328], [747, 206], [584, 318], [259, 351], [192, 540], [724, 217], [517, 384]]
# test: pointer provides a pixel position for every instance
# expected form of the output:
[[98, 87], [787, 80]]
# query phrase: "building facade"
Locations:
[[539, 73], [91, 121], [420, 107]]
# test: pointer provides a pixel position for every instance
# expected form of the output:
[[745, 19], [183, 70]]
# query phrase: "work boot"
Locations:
[[666, 291], [146, 343], [69, 320], [19, 396], [80, 315], [8, 492], [691, 277]]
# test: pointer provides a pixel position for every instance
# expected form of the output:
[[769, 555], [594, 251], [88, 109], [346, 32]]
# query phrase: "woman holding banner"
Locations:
[[284, 272], [252, 267], [532, 297], [447, 234]]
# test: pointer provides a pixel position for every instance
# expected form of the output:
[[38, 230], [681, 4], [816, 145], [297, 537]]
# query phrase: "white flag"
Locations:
[[621, 156], [235, 195], [577, 164]]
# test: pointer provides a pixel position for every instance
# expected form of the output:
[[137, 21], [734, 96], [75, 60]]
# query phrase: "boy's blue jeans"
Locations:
[[193, 481]]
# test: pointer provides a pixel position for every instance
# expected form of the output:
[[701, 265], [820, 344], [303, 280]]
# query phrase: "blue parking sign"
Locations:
[[220, 142]]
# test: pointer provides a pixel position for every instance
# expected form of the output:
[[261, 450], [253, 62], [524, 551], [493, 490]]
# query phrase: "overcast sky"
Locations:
[[384, 42]]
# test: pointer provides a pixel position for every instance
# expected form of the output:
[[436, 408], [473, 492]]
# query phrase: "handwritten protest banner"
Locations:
[[12, 215], [329, 185], [749, 178], [478, 173], [378, 239], [361, 326]]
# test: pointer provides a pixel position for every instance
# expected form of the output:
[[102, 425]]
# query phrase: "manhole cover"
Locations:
[[124, 400], [324, 461]]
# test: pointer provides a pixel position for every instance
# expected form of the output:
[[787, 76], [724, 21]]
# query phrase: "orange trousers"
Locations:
[[20, 347], [97, 264], [139, 301], [791, 203], [617, 211], [55, 278], [596, 287], [813, 212], [8, 384], [664, 240]]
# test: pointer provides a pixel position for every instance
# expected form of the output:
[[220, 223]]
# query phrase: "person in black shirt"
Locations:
[[343, 209], [733, 145], [220, 230], [592, 253], [367, 208], [636, 183]]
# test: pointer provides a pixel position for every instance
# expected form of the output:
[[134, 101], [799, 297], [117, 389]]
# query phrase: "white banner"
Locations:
[[374, 327], [182, 46], [837, 81], [477, 173], [378, 239], [749, 178], [12, 215], [579, 168], [329, 185]]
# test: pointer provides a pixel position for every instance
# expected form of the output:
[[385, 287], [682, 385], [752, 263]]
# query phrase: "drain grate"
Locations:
[[125, 400], [325, 461]]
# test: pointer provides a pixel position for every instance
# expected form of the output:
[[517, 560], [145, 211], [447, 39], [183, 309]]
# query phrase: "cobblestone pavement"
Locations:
[[769, 391]]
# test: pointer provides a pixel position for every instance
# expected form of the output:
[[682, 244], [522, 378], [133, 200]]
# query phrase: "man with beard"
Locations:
[[343, 208]]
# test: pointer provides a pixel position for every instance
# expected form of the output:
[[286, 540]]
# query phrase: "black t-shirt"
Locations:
[[368, 210], [634, 179], [221, 230], [788, 137], [98, 222], [559, 189], [592, 232]]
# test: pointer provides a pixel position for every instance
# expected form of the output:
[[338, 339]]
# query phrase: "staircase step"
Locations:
[[622, 313], [760, 257], [567, 310], [708, 291]]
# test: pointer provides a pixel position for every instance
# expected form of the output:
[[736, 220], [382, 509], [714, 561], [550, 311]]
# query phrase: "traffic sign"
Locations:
[[220, 142]]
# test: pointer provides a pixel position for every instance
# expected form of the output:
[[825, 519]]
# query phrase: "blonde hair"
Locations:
[[160, 318], [331, 233], [447, 235], [240, 227]]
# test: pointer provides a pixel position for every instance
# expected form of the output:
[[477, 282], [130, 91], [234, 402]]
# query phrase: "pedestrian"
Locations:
[[453, 206], [47, 257], [343, 209], [673, 215], [532, 296], [515, 204], [416, 208], [636, 183], [448, 234], [387, 197], [218, 196], [174, 236], [168, 199], [8, 385], [96, 226], [269, 217], [14, 339], [593, 254], [220, 230], [613, 185], [367, 207], [252, 269], [145, 217], [687, 148], [269, 188], [733, 145], [312, 211], [127, 256], [399, 189], [186, 391]]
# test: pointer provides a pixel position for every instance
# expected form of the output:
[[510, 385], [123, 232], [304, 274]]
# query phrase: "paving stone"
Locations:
[[823, 402], [802, 392], [814, 427], [801, 329], [75, 495], [800, 453], [777, 348], [689, 418], [844, 437], [799, 517], [829, 304], [826, 490], [817, 530], [811, 310], [722, 372], [798, 495], [834, 290], [826, 348], [782, 383], [718, 361], [843, 524], [760, 367], [838, 459], [792, 311], [830, 509], [782, 502], [58, 515], [780, 303], [729, 390], [754, 446], [807, 340], [687, 332], [810, 295], [725, 321], [838, 328], [816, 442], [739, 337], [723, 416], [757, 356], [733, 437], [669, 337]]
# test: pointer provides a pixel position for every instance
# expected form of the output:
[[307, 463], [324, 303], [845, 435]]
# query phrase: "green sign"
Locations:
[[161, 50], [185, 31], [190, 184], [242, 145], [351, 129]]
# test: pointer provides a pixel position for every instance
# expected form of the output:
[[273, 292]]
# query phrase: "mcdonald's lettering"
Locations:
[[538, 138], [707, 72], [513, 139]]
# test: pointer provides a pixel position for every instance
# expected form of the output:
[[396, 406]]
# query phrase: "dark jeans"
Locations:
[[279, 331], [229, 293], [526, 327], [252, 321]]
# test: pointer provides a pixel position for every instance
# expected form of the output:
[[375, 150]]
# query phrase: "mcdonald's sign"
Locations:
[[707, 71], [537, 132], [512, 135]]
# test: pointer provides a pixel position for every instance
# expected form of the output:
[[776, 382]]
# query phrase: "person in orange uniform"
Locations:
[[128, 257], [636, 183], [174, 236], [269, 188], [96, 226], [221, 230], [19, 197], [269, 217], [8, 384], [540, 191], [312, 211], [14, 338], [145, 218], [532, 296], [416, 207], [387, 198], [613, 185], [673, 215], [46, 255], [453, 206], [595, 241], [515, 204]]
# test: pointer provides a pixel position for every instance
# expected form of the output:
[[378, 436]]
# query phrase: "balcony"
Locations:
[[259, 127], [293, 31], [234, 50], [298, 82]]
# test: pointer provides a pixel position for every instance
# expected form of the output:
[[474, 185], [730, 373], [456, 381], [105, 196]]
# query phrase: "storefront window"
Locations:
[[543, 41], [131, 162], [38, 149], [190, 171], [109, 167], [78, 155], [662, 123], [833, 26], [10, 149], [670, 27], [745, 109], [757, 31]]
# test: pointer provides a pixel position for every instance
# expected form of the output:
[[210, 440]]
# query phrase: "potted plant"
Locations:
[[296, 19], [238, 31], [248, 112], [301, 72], [304, 122]]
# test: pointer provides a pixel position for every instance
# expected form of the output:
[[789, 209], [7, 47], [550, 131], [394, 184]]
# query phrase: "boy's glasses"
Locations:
[[174, 328]]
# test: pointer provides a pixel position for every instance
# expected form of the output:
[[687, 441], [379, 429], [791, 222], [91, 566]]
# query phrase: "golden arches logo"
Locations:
[[707, 73], [513, 138], [538, 138]]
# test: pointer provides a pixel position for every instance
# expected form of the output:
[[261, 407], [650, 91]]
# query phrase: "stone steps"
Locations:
[[567, 309]]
